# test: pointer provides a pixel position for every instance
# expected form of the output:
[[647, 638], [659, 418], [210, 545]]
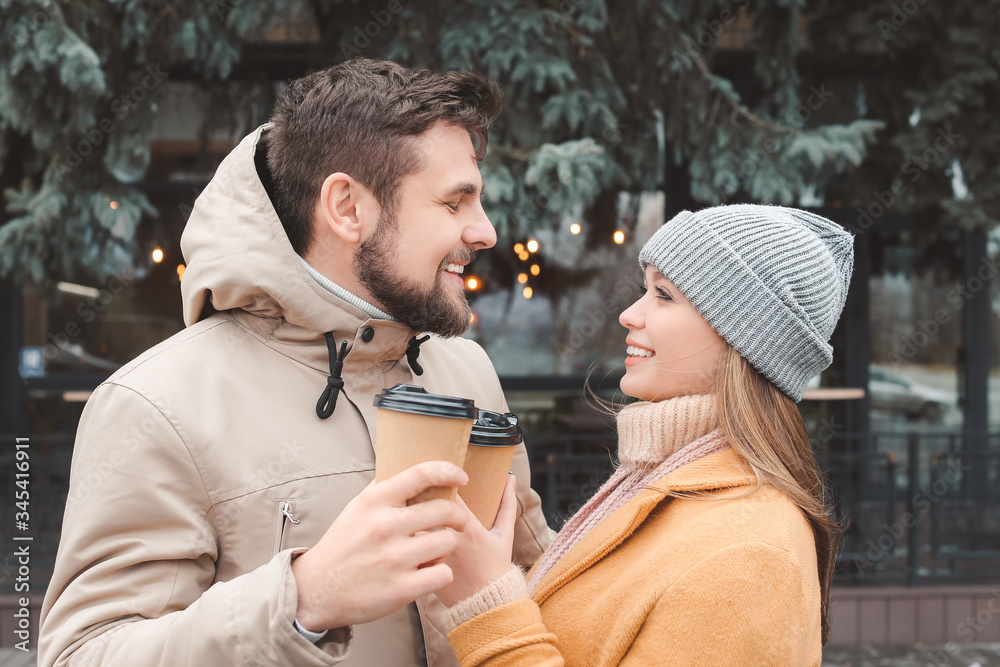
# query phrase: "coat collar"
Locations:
[[721, 470], [386, 343]]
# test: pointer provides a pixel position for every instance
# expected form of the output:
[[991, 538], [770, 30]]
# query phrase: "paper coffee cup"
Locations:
[[413, 426], [491, 449]]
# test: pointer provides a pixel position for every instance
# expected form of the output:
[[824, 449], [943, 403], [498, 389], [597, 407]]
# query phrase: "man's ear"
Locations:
[[345, 207]]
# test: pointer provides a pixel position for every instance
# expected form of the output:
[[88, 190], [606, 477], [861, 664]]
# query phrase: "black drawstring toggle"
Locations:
[[328, 400], [413, 351]]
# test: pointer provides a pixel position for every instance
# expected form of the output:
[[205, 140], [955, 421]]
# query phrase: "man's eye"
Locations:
[[453, 207]]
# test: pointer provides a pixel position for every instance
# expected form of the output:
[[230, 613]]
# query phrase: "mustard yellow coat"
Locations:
[[670, 582]]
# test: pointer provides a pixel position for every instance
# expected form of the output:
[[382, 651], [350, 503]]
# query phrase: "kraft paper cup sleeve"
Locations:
[[403, 440], [488, 469]]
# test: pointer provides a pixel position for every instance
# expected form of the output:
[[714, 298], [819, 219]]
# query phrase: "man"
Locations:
[[233, 522]]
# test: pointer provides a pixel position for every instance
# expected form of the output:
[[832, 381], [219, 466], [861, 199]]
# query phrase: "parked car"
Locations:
[[897, 394]]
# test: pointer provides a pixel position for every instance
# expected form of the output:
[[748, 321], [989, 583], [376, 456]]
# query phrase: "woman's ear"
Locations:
[[344, 207]]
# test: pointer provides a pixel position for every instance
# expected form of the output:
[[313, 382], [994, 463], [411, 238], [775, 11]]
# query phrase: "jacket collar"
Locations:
[[721, 470], [387, 344]]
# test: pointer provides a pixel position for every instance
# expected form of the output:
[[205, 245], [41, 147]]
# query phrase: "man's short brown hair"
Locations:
[[359, 118]]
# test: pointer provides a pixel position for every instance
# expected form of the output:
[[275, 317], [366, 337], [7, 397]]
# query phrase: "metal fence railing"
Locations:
[[913, 507]]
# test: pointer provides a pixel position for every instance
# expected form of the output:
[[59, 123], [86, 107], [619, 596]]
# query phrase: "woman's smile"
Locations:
[[636, 354]]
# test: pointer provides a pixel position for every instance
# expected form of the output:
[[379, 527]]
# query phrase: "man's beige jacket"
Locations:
[[202, 465]]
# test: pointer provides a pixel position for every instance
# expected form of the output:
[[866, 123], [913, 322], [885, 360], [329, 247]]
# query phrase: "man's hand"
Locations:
[[368, 564], [481, 555]]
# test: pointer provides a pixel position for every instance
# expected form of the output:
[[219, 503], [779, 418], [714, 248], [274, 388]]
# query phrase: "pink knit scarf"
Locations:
[[626, 482]]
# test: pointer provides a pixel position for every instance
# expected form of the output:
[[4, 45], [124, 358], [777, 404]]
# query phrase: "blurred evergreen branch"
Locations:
[[599, 97]]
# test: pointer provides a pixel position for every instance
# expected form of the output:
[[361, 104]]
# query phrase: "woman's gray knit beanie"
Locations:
[[770, 280]]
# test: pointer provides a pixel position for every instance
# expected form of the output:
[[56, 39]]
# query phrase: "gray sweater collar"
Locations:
[[338, 291]]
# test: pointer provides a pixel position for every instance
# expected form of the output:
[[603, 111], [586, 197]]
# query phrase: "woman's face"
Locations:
[[672, 350]]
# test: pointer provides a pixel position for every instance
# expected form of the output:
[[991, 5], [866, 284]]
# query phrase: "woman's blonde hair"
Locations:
[[764, 427]]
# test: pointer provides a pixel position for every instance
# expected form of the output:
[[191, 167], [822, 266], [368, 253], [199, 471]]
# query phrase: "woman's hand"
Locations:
[[481, 555]]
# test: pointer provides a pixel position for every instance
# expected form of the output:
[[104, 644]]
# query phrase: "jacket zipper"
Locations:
[[289, 518]]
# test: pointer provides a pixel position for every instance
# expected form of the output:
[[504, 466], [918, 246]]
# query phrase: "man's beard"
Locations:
[[434, 310]]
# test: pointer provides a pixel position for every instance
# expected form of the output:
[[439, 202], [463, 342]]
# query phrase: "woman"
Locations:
[[712, 542]]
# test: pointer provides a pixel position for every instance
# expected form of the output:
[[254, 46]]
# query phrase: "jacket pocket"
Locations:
[[285, 521]]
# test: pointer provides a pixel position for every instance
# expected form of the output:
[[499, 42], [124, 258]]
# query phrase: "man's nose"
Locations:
[[480, 234]]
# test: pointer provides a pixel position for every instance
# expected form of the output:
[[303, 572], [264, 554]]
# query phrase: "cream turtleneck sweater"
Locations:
[[650, 433], [654, 439]]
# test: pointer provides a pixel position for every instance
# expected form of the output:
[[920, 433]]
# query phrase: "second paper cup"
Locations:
[[492, 442]]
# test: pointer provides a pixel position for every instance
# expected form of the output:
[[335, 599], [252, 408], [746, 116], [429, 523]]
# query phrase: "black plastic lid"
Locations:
[[492, 429], [417, 400]]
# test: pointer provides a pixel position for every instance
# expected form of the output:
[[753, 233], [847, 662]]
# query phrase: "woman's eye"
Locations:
[[660, 292]]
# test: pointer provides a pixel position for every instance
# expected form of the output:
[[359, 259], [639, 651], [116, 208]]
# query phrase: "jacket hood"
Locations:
[[238, 255]]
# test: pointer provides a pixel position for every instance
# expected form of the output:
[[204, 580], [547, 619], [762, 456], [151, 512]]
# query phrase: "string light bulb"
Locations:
[[157, 255], [522, 278], [532, 245], [518, 248], [575, 228], [180, 271], [472, 283], [535, 269], [527, 293], [619, 237]]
